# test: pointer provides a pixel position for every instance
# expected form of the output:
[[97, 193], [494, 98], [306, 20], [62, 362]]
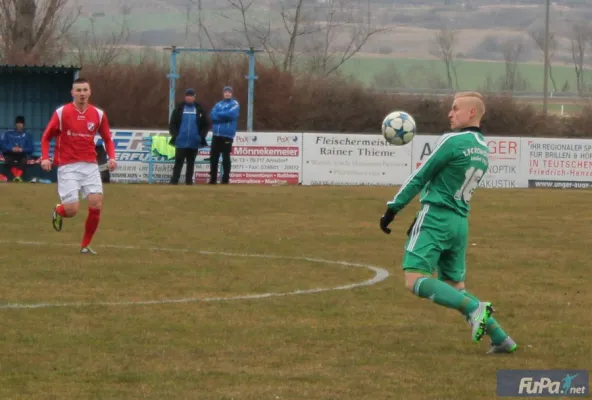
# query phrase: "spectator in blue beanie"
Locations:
[[188, 128], [224, 117]]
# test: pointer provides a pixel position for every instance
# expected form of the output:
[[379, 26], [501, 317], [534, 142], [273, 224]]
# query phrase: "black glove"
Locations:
[[386, 219]]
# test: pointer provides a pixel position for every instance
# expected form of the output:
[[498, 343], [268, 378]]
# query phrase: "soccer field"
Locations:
[[117, 335]]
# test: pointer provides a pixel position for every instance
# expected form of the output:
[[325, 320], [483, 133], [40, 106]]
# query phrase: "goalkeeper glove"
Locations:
[[386, 219]]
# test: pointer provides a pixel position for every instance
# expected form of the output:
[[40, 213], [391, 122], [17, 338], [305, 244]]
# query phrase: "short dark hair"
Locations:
[[81, 80]]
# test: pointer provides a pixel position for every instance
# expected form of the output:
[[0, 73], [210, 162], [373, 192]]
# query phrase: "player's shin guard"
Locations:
[[444, 295], [91, 225], [494, 330]]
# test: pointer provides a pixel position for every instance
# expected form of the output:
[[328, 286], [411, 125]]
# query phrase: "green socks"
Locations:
[[494, 330], [445, 295]]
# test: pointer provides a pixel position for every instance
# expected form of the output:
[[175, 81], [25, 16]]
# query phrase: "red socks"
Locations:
[[61, 211], [17, 173], [92, 223]]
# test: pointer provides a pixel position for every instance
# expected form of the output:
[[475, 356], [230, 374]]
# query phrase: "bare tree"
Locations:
[[242, 6], [512, 51], [580, 35], [281, 43], [443, 46], [35, 31], [101, 50], [314, 31], [345, 21], [296, 24], [538, 36]]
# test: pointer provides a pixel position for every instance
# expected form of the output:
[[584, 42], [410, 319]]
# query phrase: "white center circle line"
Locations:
[[380, 274]]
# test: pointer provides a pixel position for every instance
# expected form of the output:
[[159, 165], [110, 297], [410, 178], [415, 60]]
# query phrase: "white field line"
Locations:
[[380, 274]]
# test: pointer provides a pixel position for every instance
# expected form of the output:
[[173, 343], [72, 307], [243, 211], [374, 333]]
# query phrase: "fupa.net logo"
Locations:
[[548, 386], [543, 383]]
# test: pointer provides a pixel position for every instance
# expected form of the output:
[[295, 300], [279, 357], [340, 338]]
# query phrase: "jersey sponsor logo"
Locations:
[[76, 134]]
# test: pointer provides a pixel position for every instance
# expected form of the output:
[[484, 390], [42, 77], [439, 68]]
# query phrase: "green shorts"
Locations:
[[437, 241]]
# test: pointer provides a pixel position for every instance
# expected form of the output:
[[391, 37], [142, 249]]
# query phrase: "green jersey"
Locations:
[[450, 175]]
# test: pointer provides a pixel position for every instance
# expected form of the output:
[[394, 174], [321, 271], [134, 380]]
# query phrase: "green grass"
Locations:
[[373, 342], [471, 74]]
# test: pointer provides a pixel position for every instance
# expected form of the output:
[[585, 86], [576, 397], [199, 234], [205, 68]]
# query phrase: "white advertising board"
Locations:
[[557, 163], [262, 159], [339, 159], [359, 159], [504, 160], [257, 158]]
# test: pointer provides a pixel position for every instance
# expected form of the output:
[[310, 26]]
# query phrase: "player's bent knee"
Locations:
[[71, 209], [95, 200], [411, 278]]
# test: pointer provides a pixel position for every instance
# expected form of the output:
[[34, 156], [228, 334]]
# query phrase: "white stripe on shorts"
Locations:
[[417, 227]]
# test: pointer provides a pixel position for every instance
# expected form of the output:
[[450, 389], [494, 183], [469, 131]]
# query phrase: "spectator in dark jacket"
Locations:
[[17, 147], [188, 128], [224, 122]]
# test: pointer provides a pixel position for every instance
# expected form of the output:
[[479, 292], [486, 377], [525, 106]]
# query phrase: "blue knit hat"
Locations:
[[227, 89]]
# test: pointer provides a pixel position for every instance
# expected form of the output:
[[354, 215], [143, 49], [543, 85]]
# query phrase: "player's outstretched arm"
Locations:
[[442, 154]]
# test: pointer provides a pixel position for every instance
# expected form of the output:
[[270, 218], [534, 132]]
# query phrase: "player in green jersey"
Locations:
[[437, 239]]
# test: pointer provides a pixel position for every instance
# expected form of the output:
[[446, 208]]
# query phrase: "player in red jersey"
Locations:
[[74, 127]]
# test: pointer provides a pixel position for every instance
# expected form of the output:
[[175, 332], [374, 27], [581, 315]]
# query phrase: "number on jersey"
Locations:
[[472, 178]]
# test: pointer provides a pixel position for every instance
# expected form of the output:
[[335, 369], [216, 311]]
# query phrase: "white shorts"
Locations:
[[80, 177]]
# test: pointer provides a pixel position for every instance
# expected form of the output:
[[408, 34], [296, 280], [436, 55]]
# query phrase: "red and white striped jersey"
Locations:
[[74, 132]]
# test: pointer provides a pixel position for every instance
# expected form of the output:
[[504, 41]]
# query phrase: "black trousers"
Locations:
[[17, 160], [182, 156], [220, 145]]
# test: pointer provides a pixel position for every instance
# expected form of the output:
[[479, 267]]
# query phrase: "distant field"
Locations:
[[415, 71], [472, 75], [176, 21]]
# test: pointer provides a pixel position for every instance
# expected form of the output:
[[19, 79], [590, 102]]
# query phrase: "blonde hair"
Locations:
[[479, 103]]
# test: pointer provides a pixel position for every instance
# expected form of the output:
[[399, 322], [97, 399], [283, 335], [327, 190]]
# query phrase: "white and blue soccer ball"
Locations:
[[398, 128]]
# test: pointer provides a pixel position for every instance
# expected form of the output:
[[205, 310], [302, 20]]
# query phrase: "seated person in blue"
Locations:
[[17, 147]]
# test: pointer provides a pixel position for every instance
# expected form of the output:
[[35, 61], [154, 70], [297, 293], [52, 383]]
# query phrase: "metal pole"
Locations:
[[251, 77], [546, 77], [172, 81]]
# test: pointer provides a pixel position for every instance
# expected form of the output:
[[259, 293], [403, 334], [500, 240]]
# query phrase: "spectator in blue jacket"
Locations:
[[17, 147], [188, 128], [224, 118]]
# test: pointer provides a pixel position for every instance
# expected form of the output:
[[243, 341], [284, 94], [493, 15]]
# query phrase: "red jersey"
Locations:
[[75, 132]]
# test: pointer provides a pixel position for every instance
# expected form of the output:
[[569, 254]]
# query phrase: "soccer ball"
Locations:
[[398, 128]]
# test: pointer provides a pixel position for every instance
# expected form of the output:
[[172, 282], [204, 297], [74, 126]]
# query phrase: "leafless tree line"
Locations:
[[42, 32], [444, 45], [323, 35]]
